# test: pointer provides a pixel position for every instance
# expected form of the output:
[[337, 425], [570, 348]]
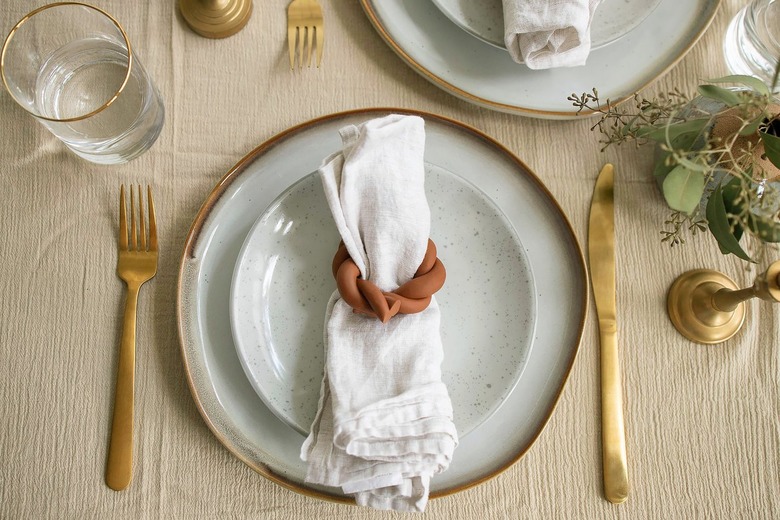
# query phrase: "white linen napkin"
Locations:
[[384, 424], [548, 33]]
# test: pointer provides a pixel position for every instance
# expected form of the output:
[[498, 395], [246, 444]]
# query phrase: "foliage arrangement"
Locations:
[[718, 157]]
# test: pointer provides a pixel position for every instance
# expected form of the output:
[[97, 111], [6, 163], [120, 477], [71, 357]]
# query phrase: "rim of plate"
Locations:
[[224, 183], [368, 8]]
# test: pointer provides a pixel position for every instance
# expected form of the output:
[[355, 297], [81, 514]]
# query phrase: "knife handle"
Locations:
[[613, 435]]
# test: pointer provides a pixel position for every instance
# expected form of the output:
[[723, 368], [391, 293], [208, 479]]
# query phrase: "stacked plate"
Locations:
[[255, 280], [458, 45]]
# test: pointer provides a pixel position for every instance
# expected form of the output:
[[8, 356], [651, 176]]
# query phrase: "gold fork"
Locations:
[[137, 264], [304, 21]]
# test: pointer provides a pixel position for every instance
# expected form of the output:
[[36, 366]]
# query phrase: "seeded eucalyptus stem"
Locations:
[[618, 125], [717, 182]]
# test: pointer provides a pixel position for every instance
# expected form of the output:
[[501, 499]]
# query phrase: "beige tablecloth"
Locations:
[[703, 423]]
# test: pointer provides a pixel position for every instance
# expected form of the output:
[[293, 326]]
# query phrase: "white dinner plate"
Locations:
[[282, 283], [220, 388], [484, 19], [485, 75]]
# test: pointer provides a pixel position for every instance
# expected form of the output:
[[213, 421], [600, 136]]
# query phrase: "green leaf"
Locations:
[[694, 166], [685, 141], [683, 189], [628, 127], [771, 148], [731, 191], [749, 81], [729, 97], [661, 169], [670, 132], [765, 228], [682, 142], [720, 227], [753, 126], [737, 231]]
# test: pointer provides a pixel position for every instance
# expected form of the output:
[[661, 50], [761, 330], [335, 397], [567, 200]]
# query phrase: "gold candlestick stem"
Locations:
[[707, 306], [726, 300]]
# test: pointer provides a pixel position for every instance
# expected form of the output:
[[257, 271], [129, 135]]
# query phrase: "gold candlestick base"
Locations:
[[692, 312], [216, 18], [707, 306]]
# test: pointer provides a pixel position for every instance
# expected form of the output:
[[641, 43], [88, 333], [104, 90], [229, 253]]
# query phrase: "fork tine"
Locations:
[[142, 227], [291, 33], [122, 219], [309, 44], [320, 37], [133, 230], [152, 221], [301, 35]]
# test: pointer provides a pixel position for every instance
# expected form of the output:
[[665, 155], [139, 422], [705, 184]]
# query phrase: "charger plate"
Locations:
[[485, 75], [234, 412]]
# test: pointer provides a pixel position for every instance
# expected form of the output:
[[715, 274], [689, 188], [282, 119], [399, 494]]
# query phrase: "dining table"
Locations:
[[702, 422]]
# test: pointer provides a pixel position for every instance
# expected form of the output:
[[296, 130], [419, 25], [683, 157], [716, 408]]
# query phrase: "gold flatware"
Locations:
[[137, 264], [601, 252], [304, 23]]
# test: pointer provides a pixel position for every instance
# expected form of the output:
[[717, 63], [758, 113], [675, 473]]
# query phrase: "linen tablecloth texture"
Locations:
[[384, 423], [545, 34], [701, 422]]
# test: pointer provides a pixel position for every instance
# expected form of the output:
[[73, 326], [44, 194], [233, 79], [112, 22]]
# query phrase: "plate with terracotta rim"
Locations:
[[482, 74], [225, 398]]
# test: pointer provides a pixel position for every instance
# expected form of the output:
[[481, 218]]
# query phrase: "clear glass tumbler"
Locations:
[[71, 66], [752, 43]]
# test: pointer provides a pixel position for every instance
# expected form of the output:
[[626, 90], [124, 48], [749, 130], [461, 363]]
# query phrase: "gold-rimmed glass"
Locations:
[[71, 66]]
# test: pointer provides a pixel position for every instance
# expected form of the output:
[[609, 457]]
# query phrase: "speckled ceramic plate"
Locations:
[[485, 75], [282, 283], [220, 388], [484, 19]]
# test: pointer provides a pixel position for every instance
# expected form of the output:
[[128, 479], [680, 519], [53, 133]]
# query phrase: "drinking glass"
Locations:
[[71, 66], [752, 43]]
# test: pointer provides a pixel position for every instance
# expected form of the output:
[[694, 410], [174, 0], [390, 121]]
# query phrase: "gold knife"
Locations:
[[601, 252]]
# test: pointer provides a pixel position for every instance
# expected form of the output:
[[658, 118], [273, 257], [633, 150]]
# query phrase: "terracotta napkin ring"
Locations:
[[366, 298]]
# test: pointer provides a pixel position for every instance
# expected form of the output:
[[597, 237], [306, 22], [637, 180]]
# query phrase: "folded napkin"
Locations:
[[548, 33], [384, 424]]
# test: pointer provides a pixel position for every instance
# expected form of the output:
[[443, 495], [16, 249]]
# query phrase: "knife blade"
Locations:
[[601, 253]]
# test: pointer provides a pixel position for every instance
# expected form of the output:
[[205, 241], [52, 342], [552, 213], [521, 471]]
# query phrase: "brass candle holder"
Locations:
[[216, 18], [707, 307]]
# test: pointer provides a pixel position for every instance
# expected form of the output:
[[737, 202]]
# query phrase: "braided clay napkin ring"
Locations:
[[366, 298]]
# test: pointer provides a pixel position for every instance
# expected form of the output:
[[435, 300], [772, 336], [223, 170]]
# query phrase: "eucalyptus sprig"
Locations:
[[720, 181], [618, 125], [677, 222]]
